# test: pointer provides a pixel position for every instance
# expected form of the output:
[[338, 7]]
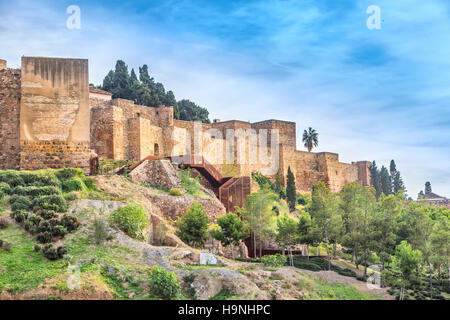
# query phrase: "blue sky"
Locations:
[[371, 94]]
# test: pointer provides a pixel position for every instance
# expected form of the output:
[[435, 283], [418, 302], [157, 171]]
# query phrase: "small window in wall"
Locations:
[[138, 115], [156, 150]]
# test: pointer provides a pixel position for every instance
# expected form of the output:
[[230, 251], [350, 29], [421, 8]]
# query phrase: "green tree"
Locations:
[[385, 180], [375, 179], [415, 225], [384, 226], [145, 91], [232, 230], [287, 236], [291, 192], [189, 111], [108, 81], [259, 215], [193, 225], [310, 138], [440, 243], [307, 235], [131, 219], [428, 187], [407, 261], [121, 81], [350, 209], [324, 212], [396, 179]]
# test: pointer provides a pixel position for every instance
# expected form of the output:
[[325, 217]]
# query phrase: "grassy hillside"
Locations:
[[121, 267]]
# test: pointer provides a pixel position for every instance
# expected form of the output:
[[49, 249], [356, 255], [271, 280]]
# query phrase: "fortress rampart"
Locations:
[[52, 118]]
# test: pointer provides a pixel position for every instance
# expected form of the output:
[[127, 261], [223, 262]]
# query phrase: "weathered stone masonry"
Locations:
[[50, 117], [45, 114], [9, 117]]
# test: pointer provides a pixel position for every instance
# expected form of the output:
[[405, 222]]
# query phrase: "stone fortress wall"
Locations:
[[50, 117], [121, 129], [44, 108]]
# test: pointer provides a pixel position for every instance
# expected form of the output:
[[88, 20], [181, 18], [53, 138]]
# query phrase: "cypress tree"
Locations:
[[291, 192], [427, 187], [398, 183], [375, 178], [121, 81], [385, 180], [396, 179], [108, 81]]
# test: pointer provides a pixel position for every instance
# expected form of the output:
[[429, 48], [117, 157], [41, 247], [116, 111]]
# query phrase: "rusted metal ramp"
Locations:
[[230, 191]]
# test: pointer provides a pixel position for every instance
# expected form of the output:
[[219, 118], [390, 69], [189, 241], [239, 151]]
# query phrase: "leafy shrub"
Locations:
[[303, 199], [68, 173], [131, 219], [52, 252], [70, 222], [34, 191], [12, 178], [34, 219], [40, 178], [19, 203], [30, 227], [89, 183], [193, 225], [54, 222], [72, 185], [47, 214], [19, 215], [44, 226], [5, 188], [175, 192], [44, 237], [191, 185], [59, 231], [37, 247], [164, 284], [51, 202], [274, 261], [101, 232]]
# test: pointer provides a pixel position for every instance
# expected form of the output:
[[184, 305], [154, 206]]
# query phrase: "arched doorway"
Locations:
[[156, 150]]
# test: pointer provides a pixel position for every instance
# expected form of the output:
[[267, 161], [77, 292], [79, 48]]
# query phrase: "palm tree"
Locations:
[[310, 138]]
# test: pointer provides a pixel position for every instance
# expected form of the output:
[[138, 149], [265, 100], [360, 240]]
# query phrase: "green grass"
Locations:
[[191, 185], [3, 203], [340, 291], [316, 289], [23, 269], [222, 295]]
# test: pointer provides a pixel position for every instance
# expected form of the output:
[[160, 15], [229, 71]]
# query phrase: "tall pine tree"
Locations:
[[121, 81], [428, 187], [396, 179], [291, 192], [375, 178], [385, 180]]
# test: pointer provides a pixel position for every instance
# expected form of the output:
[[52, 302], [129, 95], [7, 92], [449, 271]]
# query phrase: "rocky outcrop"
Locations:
[[210, 282], [156, 173]]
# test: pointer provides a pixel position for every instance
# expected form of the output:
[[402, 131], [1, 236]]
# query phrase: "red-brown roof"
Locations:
[[99, 91]]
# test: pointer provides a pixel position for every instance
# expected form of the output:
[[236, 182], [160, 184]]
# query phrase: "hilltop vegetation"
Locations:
[[145, 91], [408, 243]]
